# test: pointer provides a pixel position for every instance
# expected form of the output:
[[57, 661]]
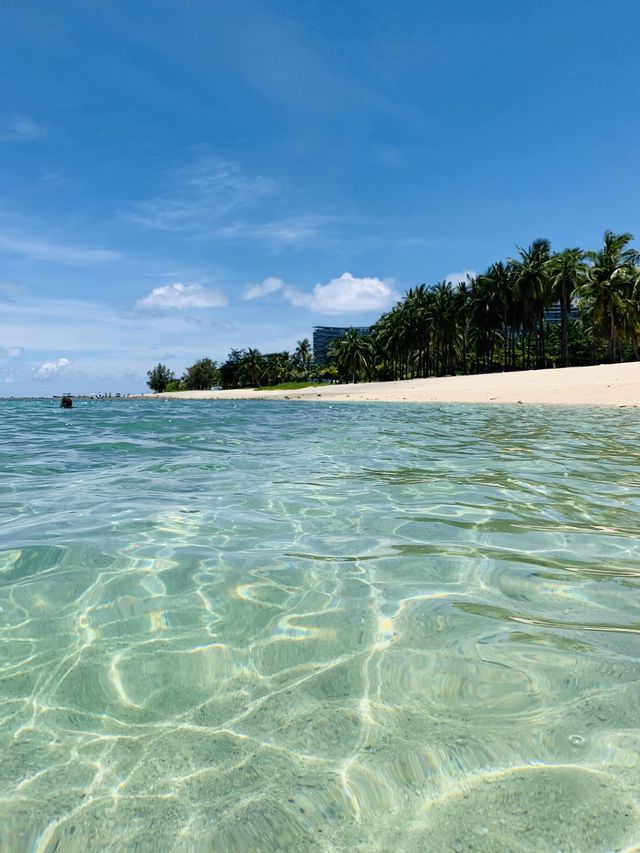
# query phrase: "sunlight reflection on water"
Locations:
[[292, 626]]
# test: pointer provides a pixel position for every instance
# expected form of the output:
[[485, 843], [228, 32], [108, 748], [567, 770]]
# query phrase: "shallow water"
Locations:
[[296, 626]]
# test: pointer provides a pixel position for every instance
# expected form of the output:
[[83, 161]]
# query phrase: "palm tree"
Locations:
[[422, 329], [253, 366], [353, 354], [632, 318], [567, 270], [463, 312], [533, 291], [304, 355], [608, 284], [490, 300], [445, 325], [410, 318], [389, 341]]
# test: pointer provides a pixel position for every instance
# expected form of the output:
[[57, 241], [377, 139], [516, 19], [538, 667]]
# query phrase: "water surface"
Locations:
[[232, 626]]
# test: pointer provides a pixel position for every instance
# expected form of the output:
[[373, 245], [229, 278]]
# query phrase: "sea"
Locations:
[[303, 626]]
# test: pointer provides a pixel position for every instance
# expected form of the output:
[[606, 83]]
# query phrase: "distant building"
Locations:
[[552, 315], [323, 336]]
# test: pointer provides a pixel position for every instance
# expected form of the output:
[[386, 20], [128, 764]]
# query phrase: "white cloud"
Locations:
[[20, 128], [268, 286], [12, 352], [458, 277], [180, 296], [112, 350], [46, 250], [348, 295], [344, 295], [51, 368]]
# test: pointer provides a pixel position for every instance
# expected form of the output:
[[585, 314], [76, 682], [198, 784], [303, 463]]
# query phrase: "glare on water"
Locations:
[[296, 626]]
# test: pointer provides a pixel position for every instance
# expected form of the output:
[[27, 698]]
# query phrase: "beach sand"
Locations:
[[602, 385]]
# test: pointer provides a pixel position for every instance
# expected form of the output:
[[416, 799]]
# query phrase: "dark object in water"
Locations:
[[66, 402]]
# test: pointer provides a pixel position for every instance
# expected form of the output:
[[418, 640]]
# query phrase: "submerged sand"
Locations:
[[602, 385]]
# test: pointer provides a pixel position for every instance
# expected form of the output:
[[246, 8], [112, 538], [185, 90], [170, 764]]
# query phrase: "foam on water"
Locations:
[[289, 626]]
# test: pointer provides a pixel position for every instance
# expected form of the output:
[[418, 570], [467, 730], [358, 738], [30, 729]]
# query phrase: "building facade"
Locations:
[[553, 314], [323, 337]]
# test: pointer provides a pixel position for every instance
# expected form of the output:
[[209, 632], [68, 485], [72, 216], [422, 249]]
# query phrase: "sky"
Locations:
[[182, 178]]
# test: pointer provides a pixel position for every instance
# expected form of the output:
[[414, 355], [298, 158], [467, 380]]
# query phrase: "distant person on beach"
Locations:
[[66, 402]]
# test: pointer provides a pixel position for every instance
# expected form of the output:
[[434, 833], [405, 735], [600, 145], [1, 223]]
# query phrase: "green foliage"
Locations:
[[251, 369], [175, 385], [353, 356], [328, 373], [610, 295], [494, 321], [201, 376], [159, 377], [231, 372], [303, 357]]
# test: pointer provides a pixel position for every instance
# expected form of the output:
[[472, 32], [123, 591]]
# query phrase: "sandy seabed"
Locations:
[[602, 385]]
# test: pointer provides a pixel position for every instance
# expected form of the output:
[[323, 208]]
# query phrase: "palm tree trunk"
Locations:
[[564, 329], [611, 343]]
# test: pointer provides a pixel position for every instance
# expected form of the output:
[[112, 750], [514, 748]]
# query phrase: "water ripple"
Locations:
[[273, 626]]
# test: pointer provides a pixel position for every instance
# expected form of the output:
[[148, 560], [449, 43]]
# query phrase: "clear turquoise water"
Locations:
[[296, 626]]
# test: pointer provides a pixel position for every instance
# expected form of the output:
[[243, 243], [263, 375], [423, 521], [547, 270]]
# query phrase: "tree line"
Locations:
[[244, 368], [493, 321]]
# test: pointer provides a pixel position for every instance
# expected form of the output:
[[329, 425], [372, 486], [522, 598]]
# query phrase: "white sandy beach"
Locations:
[[602, 385]]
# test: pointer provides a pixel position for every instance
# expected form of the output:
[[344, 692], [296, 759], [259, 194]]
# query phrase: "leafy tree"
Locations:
[[533, 293], [353, 354], [303, 356], [201, 376], [567, 269], [489, 302], [252, 367], [231, 369], [606, 296], [445, 325], [159, 378], [495, 320], [277, 367]]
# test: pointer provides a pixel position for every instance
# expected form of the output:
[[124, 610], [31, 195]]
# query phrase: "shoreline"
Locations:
[[607, 385]]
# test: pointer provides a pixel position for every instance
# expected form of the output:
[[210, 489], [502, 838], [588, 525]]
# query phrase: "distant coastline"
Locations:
[[600, 385]]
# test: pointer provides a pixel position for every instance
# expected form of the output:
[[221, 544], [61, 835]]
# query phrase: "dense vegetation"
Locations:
[[495, 321], [247, 368]]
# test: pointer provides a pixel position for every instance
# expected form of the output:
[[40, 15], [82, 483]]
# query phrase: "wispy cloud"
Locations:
[[268, 286], [20, 128], [216, 198], [303, 230], [200, 194], [12, 352], [9, 292], [180, 296], [48, 250]]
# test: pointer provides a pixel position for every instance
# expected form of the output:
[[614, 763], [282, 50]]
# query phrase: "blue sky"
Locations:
[[177, 179]]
